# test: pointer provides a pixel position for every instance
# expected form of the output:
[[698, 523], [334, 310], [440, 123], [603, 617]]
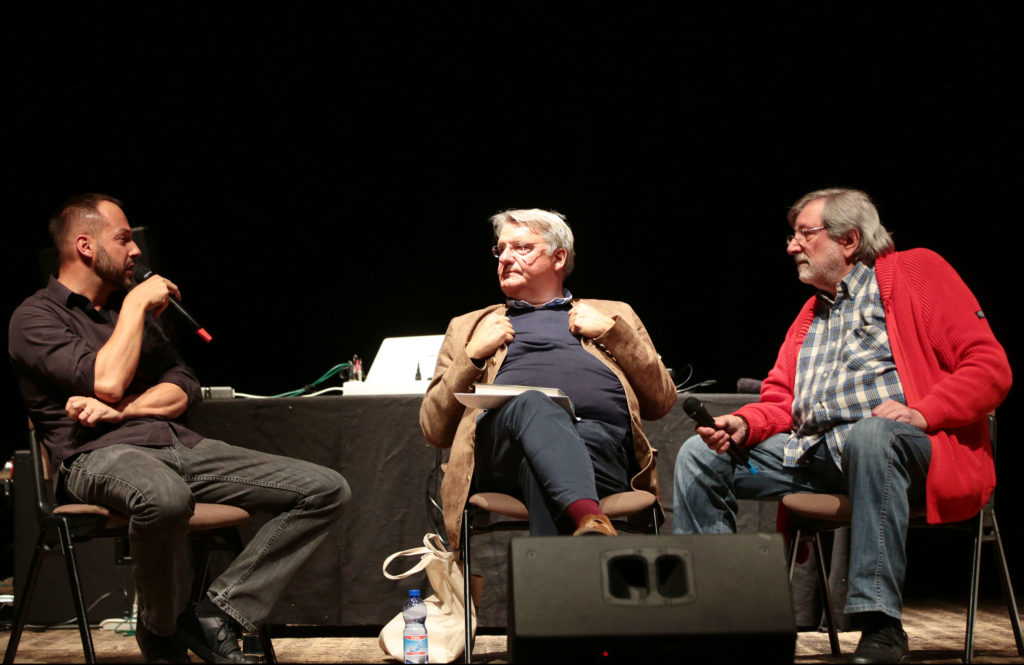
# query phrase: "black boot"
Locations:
[[882, 640], [160, 648], [211, 636]]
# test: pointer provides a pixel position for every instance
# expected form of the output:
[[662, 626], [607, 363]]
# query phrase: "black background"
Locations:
[[316, 177]]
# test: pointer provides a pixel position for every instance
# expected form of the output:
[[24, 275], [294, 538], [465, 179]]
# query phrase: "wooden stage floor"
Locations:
[[936, 630]]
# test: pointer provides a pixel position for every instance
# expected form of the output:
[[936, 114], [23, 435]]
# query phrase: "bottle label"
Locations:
[[415, 648]]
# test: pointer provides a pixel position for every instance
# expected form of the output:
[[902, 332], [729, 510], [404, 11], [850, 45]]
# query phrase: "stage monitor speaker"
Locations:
[[699, 599]]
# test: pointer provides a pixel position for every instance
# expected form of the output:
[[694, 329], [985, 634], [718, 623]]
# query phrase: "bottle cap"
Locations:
[[414, 593]]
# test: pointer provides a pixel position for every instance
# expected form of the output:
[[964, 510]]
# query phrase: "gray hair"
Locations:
[[547, 223], [845, 210]]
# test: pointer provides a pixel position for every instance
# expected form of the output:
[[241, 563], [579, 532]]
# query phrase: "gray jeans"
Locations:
[[157, 487]]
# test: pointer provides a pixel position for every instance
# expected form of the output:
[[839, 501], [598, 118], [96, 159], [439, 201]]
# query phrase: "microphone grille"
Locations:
[[141, 272]]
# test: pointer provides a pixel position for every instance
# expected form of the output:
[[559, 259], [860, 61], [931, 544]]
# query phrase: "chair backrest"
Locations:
[[41, 474], [992, 429]]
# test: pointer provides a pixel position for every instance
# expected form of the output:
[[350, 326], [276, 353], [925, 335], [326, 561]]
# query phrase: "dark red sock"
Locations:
[[577, 510]]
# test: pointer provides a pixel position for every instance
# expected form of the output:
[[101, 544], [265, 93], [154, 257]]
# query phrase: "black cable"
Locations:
[[707, 383], [36, 627]]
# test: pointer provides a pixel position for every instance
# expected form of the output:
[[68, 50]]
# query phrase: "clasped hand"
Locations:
[[496, 329], [90, 411], [586, 321], [893, 410]]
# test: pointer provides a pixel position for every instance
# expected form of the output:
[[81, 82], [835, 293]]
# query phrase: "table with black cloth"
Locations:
[[375, 442]]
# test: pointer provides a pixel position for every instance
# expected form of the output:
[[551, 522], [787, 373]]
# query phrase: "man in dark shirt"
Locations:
[[103, 386], [597, 351]]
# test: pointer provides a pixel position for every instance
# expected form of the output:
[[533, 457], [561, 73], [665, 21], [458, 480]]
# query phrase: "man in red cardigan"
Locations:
[[880, 391]]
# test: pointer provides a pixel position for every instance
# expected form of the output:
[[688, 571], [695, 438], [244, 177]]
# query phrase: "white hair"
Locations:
[[548, 223]]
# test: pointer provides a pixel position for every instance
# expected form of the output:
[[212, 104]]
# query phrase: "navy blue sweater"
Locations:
[[544, 353]]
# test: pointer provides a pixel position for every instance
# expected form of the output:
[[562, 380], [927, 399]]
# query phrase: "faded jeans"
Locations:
[[884, 468], [157, 487]]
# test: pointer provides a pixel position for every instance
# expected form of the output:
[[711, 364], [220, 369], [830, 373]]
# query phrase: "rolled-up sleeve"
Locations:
[[41, 343], [161, 363]]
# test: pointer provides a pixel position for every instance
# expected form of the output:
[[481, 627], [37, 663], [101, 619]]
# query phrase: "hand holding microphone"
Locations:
[[153, 295], [695, 409], [142, 272]]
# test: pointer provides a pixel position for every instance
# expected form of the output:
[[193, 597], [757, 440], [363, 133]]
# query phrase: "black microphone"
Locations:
[[695, 409], [142, 272]]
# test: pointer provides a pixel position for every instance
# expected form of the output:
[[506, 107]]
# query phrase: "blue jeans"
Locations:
[[884, 468], [533, 449], [157, 487]]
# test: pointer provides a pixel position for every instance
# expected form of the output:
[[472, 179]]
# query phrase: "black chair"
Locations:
[[212, 527], [814, 514], [632, 511]]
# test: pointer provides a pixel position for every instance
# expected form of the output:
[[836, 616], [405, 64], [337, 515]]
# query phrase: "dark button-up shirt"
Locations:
[[54, 337]]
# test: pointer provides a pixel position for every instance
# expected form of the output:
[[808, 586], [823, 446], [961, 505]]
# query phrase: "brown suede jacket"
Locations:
[[626, 348]]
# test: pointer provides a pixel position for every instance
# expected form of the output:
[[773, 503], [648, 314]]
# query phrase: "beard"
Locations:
[[823, 272], [108, 270]]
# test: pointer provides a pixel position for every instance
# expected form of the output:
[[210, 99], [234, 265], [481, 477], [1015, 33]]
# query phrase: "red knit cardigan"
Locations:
[[952, 369]]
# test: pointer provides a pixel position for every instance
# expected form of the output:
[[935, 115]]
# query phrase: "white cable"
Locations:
[[332, 389]]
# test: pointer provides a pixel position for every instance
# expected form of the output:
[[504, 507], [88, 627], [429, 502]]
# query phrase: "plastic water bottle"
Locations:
[[415, 634]]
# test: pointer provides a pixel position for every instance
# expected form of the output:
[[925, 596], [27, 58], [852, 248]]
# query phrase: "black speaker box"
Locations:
[[699, 599], [107, 587]]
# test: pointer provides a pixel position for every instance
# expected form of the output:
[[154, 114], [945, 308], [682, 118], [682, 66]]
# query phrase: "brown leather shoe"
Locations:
[[596, 525]]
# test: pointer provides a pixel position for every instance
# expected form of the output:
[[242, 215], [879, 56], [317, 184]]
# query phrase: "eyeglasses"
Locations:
[[803, 235], [519, 248]]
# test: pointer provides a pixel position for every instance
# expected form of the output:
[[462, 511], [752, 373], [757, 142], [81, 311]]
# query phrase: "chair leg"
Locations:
[[654, 520], [269, 655], [826, 595], [68, 548], [1004, 578], [972, 601], [202, 568], [466, 576], [823, 589], [794, 549], [24, 599]]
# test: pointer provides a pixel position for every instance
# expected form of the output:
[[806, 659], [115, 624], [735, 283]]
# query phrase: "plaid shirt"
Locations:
[[845, 367]]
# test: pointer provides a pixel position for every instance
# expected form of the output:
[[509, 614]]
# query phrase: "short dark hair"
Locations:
[[81, 209]]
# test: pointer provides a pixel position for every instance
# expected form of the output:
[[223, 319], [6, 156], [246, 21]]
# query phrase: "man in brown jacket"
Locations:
[[597, 351]]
